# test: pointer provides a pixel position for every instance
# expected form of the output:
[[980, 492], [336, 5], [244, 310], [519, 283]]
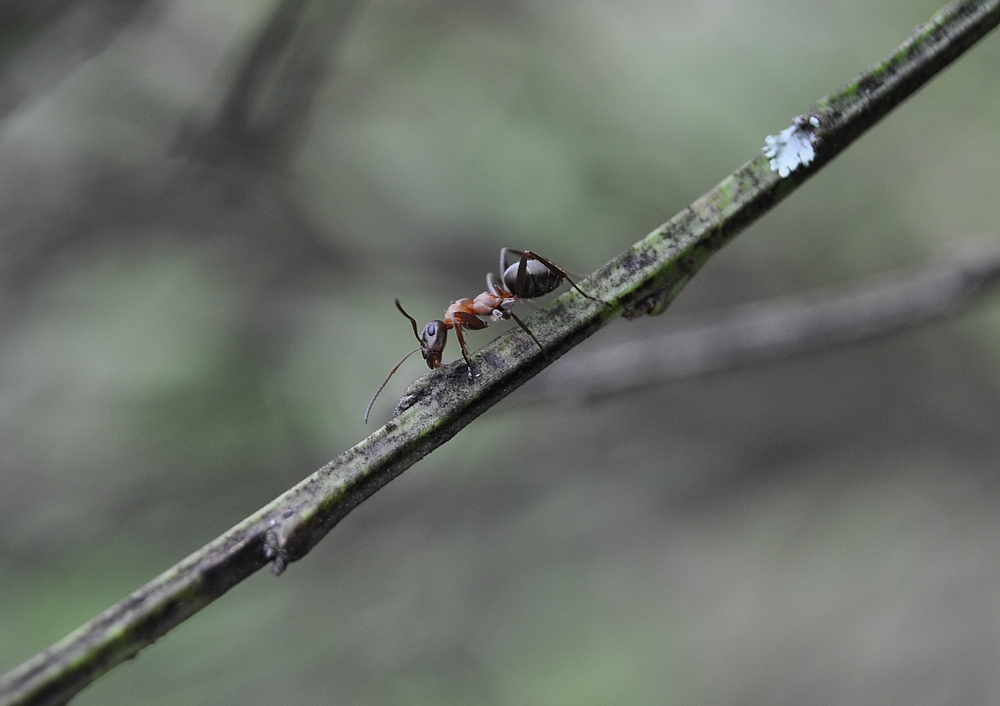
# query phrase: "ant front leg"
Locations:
[[460, 320]]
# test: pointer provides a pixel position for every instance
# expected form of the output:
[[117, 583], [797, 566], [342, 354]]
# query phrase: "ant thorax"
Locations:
[[502, 310]]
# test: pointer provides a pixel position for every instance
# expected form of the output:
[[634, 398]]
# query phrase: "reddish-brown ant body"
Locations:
[[531, 276]]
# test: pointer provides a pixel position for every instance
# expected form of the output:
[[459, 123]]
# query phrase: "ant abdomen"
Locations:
[[539, 279]]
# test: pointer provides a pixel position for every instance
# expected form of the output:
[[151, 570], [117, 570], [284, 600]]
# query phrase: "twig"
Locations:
[[644, 279], [764, 332]]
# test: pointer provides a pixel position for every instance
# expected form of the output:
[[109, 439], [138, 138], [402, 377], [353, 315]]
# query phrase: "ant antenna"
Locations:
[[386, 381], [413, 322]]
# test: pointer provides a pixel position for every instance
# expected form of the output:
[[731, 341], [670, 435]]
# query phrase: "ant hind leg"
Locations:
[[528, 255], [528, 331]]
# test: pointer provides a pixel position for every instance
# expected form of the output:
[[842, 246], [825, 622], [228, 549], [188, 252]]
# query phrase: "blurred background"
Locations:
[[206, 210]]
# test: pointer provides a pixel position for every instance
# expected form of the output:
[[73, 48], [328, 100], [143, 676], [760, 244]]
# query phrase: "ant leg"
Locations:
[[528, 331], [504, 261], [495, 287], [522, 273], [465, 348], [462, 320], [522, 269]]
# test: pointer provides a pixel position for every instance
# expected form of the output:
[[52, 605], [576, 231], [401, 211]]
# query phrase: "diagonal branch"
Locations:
[[643, 279]]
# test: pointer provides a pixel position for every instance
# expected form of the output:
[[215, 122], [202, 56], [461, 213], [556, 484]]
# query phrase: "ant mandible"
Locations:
[[531, 276]]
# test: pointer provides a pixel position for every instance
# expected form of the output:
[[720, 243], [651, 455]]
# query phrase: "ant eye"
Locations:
[[430, 330]]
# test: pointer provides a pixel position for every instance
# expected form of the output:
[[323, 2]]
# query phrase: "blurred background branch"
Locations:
[[770, 331], [263, 114], [229, 182], [43, 41]]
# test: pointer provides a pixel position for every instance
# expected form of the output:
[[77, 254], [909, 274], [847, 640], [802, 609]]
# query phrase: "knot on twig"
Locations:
[[274, 550]]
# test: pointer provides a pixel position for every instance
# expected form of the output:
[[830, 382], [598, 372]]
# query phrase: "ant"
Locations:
[[529, 277]]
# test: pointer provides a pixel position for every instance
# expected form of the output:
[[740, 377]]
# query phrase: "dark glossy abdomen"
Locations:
[[538, 279]]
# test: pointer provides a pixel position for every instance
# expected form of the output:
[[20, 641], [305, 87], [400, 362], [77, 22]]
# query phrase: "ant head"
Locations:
[[432, 342], [431, 346]]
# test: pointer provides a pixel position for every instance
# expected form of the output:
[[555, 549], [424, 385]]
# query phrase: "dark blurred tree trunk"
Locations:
[[264, 113], [228, 181], [42, 41]]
